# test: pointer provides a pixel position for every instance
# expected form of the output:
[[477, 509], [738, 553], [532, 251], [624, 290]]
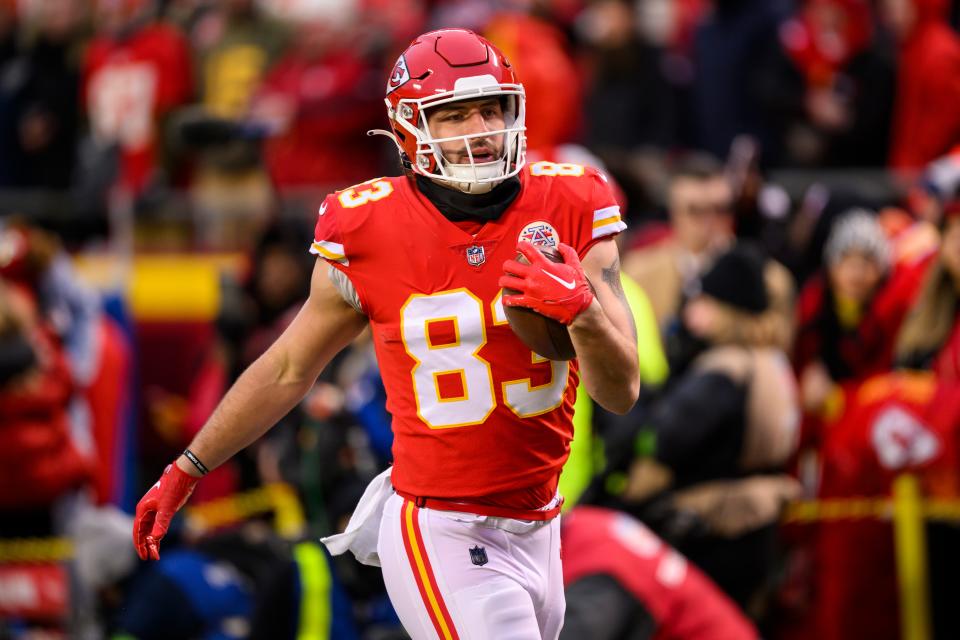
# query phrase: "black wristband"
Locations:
[[202, 468]]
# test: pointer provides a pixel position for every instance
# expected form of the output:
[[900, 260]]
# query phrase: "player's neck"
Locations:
[[457, 206]]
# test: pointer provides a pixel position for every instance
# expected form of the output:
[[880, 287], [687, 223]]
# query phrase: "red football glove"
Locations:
[[157, 507], [558, 290]]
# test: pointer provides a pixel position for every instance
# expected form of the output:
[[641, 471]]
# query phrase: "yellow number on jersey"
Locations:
[[465, 310], [461, 358], [523, 397], [365, 193], [556, 169]]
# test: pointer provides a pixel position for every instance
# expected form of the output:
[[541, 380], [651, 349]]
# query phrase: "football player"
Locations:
[[464, 524]]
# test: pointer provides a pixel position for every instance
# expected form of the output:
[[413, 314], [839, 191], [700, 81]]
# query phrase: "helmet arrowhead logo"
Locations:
[[399, 76]]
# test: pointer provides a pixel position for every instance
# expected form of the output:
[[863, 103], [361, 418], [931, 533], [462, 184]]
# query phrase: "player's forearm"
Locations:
[[608, 360], [261, 396]]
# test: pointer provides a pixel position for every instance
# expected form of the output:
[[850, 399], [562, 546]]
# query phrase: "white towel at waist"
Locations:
[[363, 530]]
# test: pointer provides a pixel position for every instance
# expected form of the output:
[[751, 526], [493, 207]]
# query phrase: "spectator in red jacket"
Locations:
[[318, 100], [135, 72], [929, 74], [39, 461], [849, 316]]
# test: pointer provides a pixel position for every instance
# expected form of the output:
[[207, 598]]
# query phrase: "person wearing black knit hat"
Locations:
[[736, 279], [733, 291]]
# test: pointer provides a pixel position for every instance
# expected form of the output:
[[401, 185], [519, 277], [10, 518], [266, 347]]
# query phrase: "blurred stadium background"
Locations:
[[789, 169]]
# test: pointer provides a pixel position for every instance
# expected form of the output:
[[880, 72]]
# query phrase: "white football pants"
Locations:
[[453, 575]]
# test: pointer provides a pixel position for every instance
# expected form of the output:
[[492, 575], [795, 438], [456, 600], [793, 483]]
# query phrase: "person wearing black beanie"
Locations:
[[735, 283], [736, 278]]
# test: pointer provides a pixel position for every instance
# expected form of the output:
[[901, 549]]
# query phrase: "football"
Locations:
[[543, 335]]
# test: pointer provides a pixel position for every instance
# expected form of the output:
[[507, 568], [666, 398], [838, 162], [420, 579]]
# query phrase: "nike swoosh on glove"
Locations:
[[557, 290], [157, 508]]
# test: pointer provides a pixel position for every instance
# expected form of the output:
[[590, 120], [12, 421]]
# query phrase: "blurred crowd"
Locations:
[[799, 337]]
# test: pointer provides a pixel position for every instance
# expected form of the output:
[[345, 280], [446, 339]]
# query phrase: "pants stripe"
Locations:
[[426, 582]]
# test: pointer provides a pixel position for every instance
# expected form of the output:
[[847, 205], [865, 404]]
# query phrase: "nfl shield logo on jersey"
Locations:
[[540, 233], [476, 256], [478, 556]]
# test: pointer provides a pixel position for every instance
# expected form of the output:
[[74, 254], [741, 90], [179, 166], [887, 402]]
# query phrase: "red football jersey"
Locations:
[[129, 83], [892, 423], [476, 415]]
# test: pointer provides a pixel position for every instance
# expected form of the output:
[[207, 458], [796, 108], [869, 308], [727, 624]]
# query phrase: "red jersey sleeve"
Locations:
[[603, 218], [351, 225], [582, 200], [330, 242], [327, 238]]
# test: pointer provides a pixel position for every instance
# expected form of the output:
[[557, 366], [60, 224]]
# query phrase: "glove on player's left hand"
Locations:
[[557, 290], [157, 508]]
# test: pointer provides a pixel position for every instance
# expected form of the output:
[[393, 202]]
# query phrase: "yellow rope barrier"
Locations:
[[288, 513], [35, 550], [279, 498], [230, 509], [832, 509], [808, 511]]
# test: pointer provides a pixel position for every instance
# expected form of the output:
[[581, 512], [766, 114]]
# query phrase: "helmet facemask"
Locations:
[[470, 176]]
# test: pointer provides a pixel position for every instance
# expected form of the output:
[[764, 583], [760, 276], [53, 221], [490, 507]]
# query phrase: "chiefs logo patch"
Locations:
[[399, 76], [540, 233]]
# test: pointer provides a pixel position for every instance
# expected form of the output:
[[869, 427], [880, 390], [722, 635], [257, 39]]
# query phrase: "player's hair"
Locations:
[[929, 324], [10, 324], [696, 166]]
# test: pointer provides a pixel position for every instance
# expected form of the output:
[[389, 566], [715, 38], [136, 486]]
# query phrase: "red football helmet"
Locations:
[[446, 66]]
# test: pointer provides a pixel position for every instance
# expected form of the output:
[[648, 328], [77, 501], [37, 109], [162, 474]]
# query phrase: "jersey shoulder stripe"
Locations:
[[330, 250], [607, 221]]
